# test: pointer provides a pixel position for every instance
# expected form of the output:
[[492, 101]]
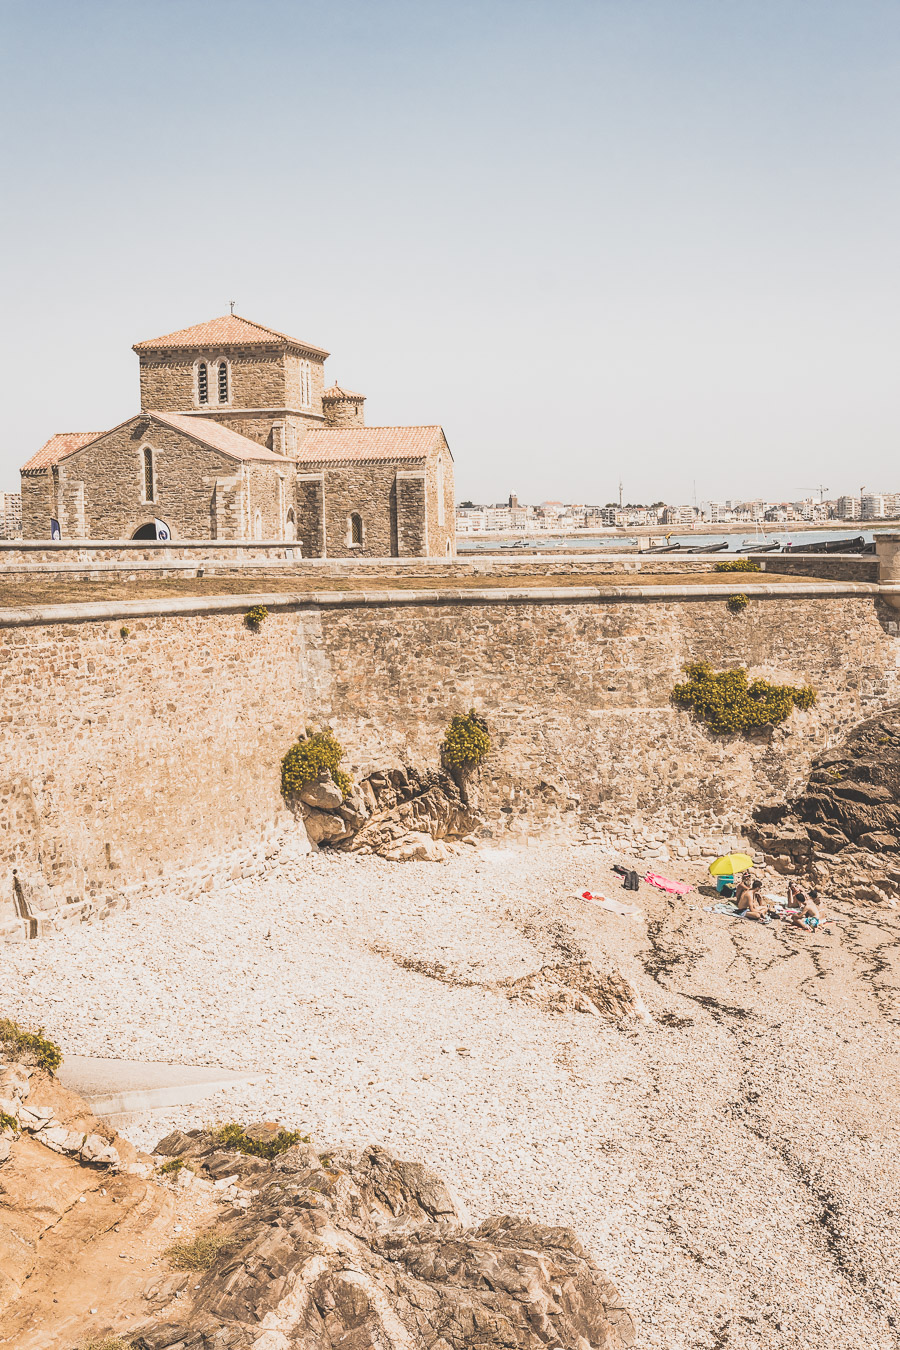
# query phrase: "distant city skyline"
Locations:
[[594, 241]]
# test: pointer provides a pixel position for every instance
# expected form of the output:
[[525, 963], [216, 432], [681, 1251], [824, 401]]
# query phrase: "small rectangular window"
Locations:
[[148, 475]]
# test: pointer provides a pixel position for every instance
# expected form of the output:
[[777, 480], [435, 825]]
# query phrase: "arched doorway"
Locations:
[[154, 529], [290, 529]]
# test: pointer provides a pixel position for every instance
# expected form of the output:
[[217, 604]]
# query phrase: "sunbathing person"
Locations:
[[742, 890], [751, 903], [808, 912]]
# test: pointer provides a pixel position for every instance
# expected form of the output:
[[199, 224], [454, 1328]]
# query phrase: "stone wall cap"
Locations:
[[108, 610]]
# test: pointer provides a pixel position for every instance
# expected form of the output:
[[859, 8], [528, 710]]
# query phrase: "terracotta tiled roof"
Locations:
[[214, 435], [230, 330], [58, 446], [333, 445], [337, 392], [217, 437]]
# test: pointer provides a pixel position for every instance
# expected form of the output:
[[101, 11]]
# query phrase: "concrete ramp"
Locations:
[[113, 1087]]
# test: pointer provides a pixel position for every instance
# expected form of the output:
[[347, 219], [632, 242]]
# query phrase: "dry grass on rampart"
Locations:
[[56, 590]]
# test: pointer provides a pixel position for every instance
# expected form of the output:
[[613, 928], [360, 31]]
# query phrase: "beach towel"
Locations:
[[664, 884], [723, 907], [615, 906]]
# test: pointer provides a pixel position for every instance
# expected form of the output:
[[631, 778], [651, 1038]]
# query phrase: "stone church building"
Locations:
[[238, 438]]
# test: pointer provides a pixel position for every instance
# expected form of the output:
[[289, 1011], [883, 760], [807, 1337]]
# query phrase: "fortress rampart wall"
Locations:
[[123, 757]]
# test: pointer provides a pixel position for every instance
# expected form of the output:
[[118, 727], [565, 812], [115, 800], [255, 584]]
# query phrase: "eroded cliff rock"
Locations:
[[844, 828], [304, 1251], [400, 814], [366, 1250]]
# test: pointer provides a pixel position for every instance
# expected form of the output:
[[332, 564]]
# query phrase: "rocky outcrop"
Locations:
[[305, 1251], [365, 1250], [578, 987], [33, 1103], [844, 828], [400, 814]]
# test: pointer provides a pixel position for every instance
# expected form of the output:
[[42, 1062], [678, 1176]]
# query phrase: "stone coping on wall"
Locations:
[[222, 604], [271, 556]]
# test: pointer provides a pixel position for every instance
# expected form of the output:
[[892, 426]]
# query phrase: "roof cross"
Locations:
[[232, 303]]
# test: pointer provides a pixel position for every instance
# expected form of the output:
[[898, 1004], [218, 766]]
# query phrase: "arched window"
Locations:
[[356, 529], [257, 525], [149, 484], [223, 381], [440, 489], [202, 383], [290, 529], [305, 384]]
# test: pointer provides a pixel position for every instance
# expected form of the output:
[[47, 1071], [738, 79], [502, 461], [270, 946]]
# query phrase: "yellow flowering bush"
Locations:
[[466, 741], [737, 603], [256, 617], [308, 756], [738, 565], [727, 702]]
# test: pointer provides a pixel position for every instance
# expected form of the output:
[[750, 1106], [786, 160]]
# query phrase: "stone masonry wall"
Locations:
[[37, 504], [834, 566], [112, 473], [123, 757], [367, 489], [411, 513], [167, 380]]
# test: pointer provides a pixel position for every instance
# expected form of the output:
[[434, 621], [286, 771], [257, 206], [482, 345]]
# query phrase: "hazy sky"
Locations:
[[655, 239]]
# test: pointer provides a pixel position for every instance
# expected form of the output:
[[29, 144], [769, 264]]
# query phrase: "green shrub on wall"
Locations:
[[312, 753], [256, 617], [466, 741], [726, 702], [737, 603], [738, 565]]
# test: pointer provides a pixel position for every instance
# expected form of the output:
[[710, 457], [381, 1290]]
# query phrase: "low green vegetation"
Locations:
[[738, 565], [308, 757], [31, 1046], [124, 632], [727, 702], [198, 1253], [466, 742], [233, 1135], [8, 1122], [256, 617], [171, 1168], [737, 603]]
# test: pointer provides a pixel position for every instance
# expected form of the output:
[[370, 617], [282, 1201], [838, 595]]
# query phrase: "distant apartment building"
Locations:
[[891, 505], [871, 506], [10, 515], [718, 512], [848, 508], [677, 515]]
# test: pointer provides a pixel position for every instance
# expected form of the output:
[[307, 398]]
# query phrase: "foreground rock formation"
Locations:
[[401, 814], [304, 1250], [844, 828], [366, 1250]]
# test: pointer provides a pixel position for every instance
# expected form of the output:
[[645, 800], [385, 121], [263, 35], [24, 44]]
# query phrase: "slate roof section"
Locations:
[[339, 445], [58, 446], [229, 330]]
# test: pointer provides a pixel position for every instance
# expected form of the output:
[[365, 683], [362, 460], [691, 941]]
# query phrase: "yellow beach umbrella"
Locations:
[[730, 865]]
